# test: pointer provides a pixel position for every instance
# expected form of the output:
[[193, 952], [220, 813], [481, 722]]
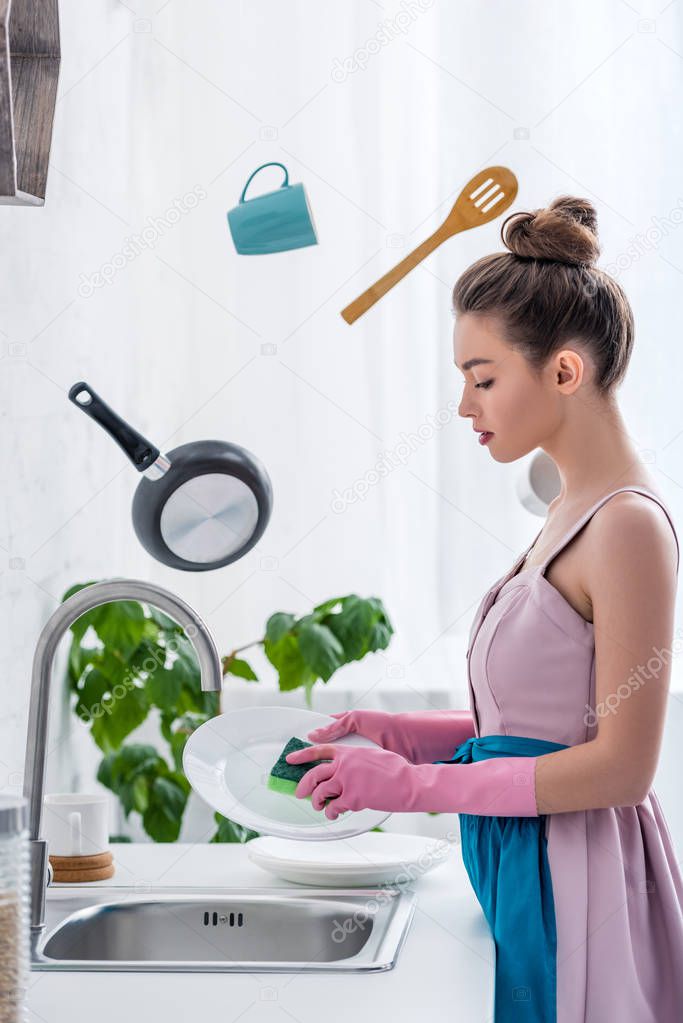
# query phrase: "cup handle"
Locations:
[[273, 163], [75, 829]]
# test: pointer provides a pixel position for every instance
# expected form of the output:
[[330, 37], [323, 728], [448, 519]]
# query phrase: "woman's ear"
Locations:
[[569, 369]]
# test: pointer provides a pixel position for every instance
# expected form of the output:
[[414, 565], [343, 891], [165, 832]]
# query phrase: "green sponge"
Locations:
[[285, 777]]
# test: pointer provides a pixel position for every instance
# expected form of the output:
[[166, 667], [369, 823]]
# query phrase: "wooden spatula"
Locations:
[[488, 194]]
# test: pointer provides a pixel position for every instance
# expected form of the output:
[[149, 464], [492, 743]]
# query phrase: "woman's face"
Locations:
[[502, 395]]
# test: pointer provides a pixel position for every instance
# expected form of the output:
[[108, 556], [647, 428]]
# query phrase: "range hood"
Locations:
[[29, 69]]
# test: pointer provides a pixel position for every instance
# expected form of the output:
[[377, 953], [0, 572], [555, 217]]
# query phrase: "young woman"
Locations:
[[569, 658]]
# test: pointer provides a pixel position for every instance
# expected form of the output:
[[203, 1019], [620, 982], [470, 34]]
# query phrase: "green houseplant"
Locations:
[[127, 660]]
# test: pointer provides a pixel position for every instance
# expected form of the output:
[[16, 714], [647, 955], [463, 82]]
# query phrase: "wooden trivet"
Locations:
[[78, 876], [77, 869], [102, 859]]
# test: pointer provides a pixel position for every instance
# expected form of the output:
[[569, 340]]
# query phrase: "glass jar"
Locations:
[[14, 909]]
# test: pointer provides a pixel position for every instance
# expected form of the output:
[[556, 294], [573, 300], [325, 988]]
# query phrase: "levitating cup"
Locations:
[[272, 222]]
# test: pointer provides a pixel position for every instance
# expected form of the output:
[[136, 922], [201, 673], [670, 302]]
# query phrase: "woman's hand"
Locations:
[[421, 736], [354, 778], [358, 778], [370, 723]]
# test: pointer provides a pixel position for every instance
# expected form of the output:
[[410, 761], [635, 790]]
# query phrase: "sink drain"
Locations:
[[213, 919]]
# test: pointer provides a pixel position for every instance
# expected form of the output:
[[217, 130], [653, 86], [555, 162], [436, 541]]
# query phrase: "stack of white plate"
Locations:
[[372, 858]]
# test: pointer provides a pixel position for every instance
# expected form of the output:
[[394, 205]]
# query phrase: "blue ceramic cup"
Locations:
[[272, 222]]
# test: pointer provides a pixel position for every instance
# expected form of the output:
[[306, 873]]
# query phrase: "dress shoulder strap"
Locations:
[[573, 530]]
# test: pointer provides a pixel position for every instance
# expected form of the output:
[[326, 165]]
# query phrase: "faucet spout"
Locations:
[[41, 681]]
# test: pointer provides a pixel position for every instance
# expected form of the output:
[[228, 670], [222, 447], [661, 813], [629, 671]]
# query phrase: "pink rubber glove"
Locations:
[[419, 736], [356, 778]]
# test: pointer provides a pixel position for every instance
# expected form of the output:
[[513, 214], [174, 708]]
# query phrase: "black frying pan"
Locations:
[[199, 507]]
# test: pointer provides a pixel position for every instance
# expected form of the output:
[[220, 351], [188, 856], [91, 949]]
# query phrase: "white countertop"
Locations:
[[445, 969]]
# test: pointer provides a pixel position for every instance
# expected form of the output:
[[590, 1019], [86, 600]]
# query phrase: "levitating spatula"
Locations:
[[488, 194]]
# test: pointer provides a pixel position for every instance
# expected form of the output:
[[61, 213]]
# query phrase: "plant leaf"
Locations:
[[90, 693], [231, 831], [352, 626], [105, 772], [278, 625], [126, 773], [286, 656], [120, 625], [326, 606], [236, 666], [78, 658], [362, 626], [150, 656], [166, 722], [112, 666], [192, 697], [127, 761], [380, 637], [321, 649], [186, 662], [163, 687], [119, 717], [82, 624], [162, 620], [163, 817], [140, 794]]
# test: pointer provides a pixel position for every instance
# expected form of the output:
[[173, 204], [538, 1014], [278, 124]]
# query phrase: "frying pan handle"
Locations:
[[141, 453]]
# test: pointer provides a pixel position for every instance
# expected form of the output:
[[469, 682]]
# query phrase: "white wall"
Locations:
[[156, 100]]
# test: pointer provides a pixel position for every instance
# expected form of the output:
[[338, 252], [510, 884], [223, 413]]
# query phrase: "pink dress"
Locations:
[[617, 886]]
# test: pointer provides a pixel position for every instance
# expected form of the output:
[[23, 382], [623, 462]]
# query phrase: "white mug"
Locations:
[[76, 823]]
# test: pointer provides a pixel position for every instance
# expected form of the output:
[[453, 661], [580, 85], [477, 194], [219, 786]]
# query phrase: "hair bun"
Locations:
[[565, 231]]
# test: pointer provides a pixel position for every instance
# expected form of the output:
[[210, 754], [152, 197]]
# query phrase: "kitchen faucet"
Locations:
[[43, 662]]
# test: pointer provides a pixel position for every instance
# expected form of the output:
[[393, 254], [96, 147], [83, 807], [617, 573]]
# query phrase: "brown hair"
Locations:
[[547, 291]]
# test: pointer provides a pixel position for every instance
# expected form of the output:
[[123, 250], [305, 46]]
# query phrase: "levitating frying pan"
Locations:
[[199, 507]]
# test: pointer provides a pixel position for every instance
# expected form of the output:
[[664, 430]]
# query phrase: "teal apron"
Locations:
[[506, 860]]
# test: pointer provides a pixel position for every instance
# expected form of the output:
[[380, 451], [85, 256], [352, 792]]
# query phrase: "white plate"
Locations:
[[227, 761], [372, 858]]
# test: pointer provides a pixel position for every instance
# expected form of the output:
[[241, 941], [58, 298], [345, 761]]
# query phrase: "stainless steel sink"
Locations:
[[181, 928], [197, 929]]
